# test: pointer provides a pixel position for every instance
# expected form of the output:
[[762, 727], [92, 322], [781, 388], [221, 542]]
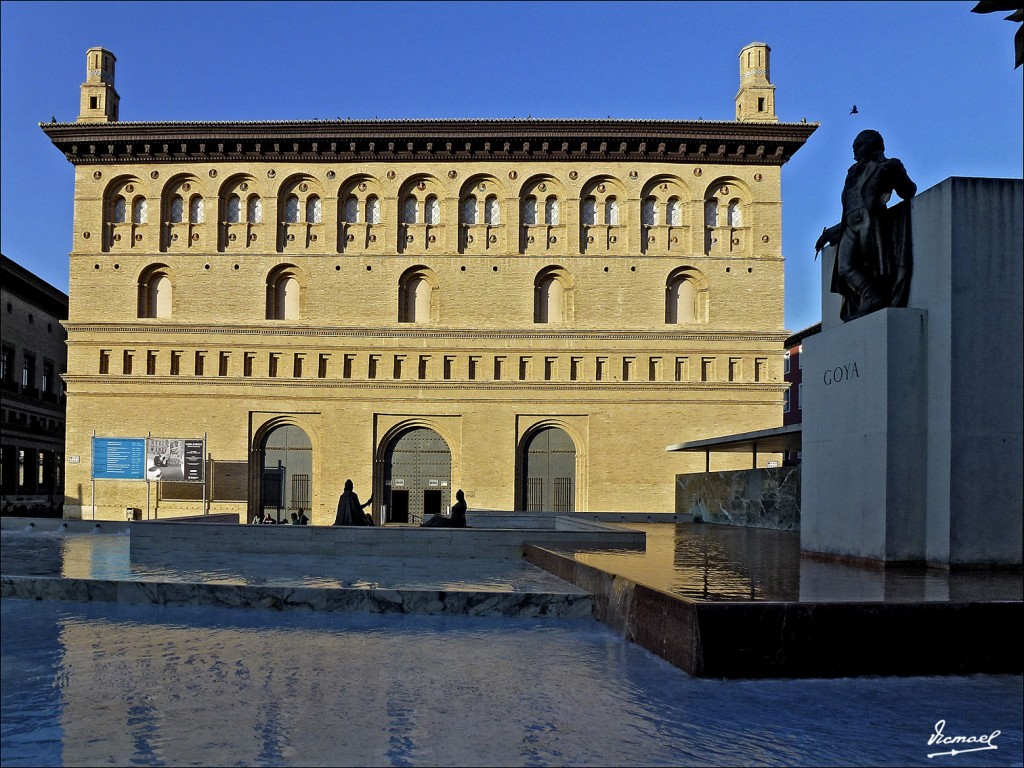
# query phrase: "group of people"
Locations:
[[350, 511], [297, 518]]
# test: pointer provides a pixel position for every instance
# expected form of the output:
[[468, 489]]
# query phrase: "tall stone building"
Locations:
[[32, 402], [530, 310]]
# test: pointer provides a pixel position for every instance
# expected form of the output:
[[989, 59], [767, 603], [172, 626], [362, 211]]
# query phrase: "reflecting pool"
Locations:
[[99, 683]]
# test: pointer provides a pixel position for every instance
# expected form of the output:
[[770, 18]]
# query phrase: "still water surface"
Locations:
[[94, 683]]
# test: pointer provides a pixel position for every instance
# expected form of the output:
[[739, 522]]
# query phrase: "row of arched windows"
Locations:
[[665, 205], [686, 295]]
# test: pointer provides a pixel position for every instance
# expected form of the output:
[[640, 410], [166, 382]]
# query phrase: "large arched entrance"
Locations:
[[550, 471], [286, 472], [417, 476]]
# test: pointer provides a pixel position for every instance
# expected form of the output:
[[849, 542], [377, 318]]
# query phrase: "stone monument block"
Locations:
[[919, 454], [863, 430]]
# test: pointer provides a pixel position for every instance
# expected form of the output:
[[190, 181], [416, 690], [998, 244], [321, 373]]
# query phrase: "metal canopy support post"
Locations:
[[205, 467], [754, 465]]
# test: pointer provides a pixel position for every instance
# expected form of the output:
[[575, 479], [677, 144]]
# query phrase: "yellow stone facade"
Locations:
[[408, 274]]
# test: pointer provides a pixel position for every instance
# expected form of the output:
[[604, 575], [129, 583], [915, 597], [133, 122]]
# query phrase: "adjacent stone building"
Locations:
[[32, 358], [526, 309]]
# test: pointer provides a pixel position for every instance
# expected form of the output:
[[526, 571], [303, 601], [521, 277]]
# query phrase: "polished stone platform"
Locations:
[[93, 566], [720, 601]]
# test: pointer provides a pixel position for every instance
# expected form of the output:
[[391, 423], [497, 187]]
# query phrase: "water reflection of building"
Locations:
[[528, 309], [33, 356]]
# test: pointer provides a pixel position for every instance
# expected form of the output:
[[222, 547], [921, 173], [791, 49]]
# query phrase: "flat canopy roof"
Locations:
[[775, 440]]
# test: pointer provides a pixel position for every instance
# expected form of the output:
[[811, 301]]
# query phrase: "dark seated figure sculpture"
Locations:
[[350, 510], [458, 518], [874, 259]]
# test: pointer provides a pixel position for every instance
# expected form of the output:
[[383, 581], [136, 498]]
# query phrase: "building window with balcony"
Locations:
[[254, 210], [551, 211], [530, 211], [291, 209], [410, 210], [350, 213], [492, 211], [611, 212], [469, 210], [372, 210], [314, 210], [432, 211], [588, 211]]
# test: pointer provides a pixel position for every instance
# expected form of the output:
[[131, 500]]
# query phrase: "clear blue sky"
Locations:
[[935, 79]]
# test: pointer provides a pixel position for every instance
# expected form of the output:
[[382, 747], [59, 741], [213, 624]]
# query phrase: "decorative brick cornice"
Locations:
[[455, 334], [670, 141]]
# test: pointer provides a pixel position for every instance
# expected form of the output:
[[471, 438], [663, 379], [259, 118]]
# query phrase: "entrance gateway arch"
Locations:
[[417, 476], [286, 472], [549, 471]]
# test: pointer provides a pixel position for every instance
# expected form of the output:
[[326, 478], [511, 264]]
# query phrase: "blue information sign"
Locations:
[[119, 458]]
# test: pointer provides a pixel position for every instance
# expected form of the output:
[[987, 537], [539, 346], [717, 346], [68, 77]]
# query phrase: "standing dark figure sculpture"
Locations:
[[873, 264]]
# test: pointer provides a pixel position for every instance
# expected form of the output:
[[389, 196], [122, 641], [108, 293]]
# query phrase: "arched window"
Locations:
[[550, 306], [287, 298], [234, 209], [416, 296], [291, 209], [351, 212], [649, 213], [195, 210], [611, 212], [372, 210], [432, 210], [410, 210], [120, 210], [551, 211], [469, 210], [177, 214], [675, 212], [283, 293], [254, 210], [492, 211], [682, 302], [734, 213], [314, 210], [711, 212], [155, 294], [140, 211], [530, 210], [588, 211]]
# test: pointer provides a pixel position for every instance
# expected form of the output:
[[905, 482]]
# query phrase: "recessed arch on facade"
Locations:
[[155, 292], [665, 215], [418, 295], [360, 214], [482, 214], [282, 467], [727, 217], [602, 211], [286, 285], [182, 213], [553, 296], [687, 297], [125, 214], [240, 213], [541, 199], [300, 214], [421, 214], [414, 471], [548, 461]]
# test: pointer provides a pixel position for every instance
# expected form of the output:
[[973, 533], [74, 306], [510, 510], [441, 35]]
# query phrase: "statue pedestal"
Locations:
[[864, 469], [918, 455]]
